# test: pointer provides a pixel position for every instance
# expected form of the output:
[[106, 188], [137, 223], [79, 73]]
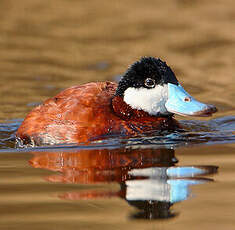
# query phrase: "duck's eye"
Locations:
[[149, 82]]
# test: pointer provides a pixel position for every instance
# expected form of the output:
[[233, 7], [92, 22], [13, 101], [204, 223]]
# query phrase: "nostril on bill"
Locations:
[[187, 99]]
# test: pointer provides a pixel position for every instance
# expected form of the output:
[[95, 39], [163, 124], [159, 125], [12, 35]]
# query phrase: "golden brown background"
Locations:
[[49, 45], [46, 46]]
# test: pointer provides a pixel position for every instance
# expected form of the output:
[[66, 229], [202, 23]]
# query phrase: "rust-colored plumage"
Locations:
[[103, 165], [84, 113], [143, 102]]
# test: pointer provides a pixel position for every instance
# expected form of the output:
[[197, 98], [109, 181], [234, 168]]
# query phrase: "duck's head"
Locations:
[[151, 86]]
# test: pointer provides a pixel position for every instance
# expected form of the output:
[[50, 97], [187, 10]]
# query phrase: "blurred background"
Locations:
[[46, 46]]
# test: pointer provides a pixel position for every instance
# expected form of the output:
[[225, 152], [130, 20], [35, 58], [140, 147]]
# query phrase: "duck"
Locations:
[[143, 102]]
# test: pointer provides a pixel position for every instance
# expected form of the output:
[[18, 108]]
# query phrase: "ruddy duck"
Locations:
[[144, 101]]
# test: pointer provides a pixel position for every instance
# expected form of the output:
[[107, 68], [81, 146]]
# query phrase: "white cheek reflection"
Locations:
[[164, 184], [151, 101], [148, 190]]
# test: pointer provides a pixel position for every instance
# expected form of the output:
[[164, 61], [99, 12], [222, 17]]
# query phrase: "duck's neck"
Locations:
[[123, 110]]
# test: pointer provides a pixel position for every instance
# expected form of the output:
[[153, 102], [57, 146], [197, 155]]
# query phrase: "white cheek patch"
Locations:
[[151, 101]]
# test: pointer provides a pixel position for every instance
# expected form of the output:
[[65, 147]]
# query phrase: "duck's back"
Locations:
[[77, 114]]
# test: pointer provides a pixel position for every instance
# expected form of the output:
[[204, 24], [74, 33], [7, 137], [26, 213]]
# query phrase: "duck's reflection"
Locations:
[[148, 178]]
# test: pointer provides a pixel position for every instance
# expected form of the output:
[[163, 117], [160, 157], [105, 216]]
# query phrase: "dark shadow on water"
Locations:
[[149, 178], [152, 210]]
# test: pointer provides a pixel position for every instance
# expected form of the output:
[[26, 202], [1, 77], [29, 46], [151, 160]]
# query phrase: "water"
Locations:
[[124, 180], [177, 180], [215, 131]]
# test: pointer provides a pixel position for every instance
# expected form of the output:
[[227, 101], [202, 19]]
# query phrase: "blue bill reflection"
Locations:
[[149, 178]]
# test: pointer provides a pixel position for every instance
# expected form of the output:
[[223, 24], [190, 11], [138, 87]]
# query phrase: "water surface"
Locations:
[[175, 180], [120, 182]]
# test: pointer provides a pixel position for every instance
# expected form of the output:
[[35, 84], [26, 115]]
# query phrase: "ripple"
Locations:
[[148, 178], [216, 131], [7, 133]]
